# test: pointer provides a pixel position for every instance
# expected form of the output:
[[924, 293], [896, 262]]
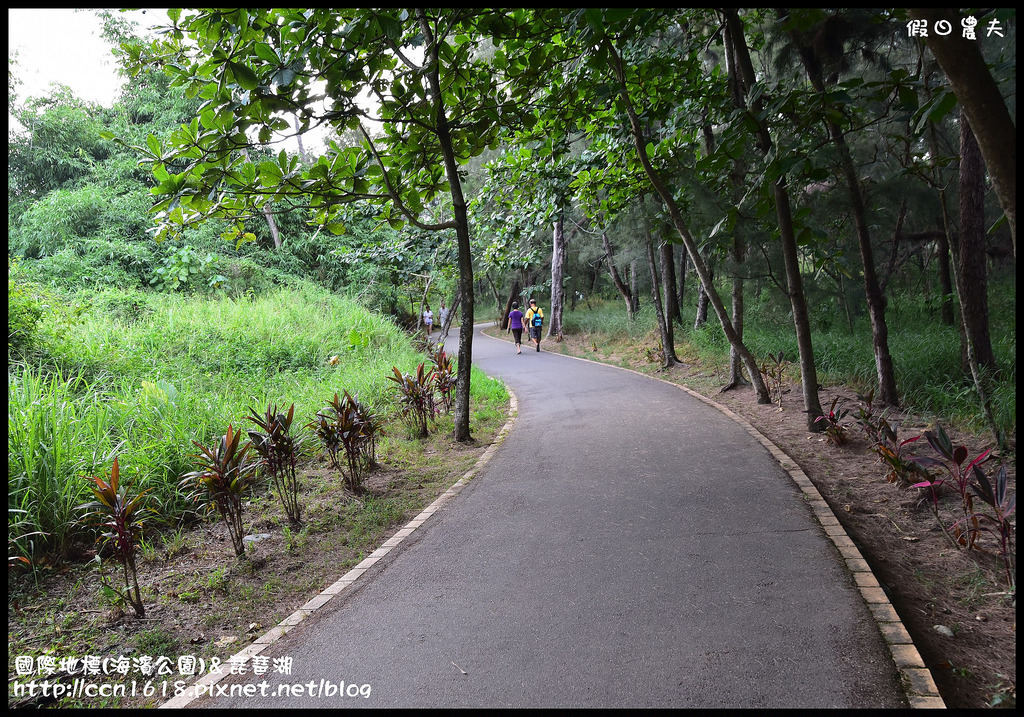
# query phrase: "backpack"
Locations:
[[538, 320]]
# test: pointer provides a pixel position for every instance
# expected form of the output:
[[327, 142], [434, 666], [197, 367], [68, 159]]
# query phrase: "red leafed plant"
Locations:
[[225, 474], [278, 452], [119, 514]]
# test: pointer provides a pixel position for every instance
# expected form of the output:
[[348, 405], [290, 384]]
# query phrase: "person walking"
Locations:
[[428, 318], [535, 321], [515, 325]]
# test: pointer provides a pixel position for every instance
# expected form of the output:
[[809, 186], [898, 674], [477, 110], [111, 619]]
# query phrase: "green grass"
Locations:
[[926, 354], [142, 376]]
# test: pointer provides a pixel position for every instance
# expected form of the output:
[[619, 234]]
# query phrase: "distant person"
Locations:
[[443, 314], [534, 321], [516, 326], [428, 318]]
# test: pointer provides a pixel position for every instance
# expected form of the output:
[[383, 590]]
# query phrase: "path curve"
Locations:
[[625, 545]]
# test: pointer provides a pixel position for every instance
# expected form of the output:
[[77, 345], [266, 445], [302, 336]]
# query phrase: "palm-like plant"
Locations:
[[119, 514], [348, 426], [224, 474], [416, 396], [444, 377], [278, 450]]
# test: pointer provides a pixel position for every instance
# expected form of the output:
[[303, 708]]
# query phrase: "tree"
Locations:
[[982, 102], [435, 102], [818, 39]]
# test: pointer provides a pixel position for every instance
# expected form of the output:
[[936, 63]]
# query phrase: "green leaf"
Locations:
[[266, 53], [244, 76]]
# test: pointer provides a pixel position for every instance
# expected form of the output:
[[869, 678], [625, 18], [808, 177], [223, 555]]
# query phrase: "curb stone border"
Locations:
[[918, 685], [296, 618]]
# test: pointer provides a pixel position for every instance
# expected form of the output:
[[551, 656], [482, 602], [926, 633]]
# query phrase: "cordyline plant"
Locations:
[[278, 452], [867, 419], [834, 429], [416, 396], [224, 475], [958, 476], [119, 514], [348, 426], [1003, 505], [902, 469], [444, 377]]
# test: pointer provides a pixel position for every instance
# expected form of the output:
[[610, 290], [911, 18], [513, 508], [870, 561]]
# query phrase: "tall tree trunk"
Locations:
[[513, 294], [465, 257], [684, 233], [983, 105], [887, 393], [557, 275], [942, 242], [616, 278], [701, 317], [668, 278], [634, 295], [447, 324], [972, 282], [801, 320], [668, 352], [683, 260], [274, 233], [298, 138]]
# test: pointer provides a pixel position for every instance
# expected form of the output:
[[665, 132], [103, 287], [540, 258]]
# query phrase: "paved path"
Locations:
[[626, 545]]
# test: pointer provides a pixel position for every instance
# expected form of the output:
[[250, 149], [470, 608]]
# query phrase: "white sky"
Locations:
[[64, 45]]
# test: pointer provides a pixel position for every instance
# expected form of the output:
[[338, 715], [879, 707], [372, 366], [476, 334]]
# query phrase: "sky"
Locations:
[[64, 45]]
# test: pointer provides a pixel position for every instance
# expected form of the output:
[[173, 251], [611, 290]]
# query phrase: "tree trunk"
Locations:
[[683, 259], [668, 274], [972, 282], [634, 295], [684, 233], [274, 233], [513, 295], [668, 353], [887, 393], [942, 241], [794, 280], [616, 278], [557, 275], [702, 302], [465, 257], [981, 102], [446, 325]]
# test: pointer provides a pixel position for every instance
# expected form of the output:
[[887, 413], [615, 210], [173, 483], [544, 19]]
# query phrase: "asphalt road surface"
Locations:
[[626, 546]]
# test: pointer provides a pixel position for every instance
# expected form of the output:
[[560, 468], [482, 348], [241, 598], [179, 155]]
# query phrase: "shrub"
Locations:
[[118, 512], [416, 397], [225, 474], [349, 426], [278, 455]]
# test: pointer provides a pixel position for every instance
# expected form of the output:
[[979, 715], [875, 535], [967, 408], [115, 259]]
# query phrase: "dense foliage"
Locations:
[[806, 162]]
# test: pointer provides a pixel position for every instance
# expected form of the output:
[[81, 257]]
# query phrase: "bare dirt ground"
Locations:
[[955, 603]]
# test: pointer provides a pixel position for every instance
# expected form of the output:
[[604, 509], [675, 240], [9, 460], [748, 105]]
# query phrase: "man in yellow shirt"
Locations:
[[534, 320]]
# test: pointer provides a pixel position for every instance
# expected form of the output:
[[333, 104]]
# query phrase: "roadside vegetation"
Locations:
[[216, 286]]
